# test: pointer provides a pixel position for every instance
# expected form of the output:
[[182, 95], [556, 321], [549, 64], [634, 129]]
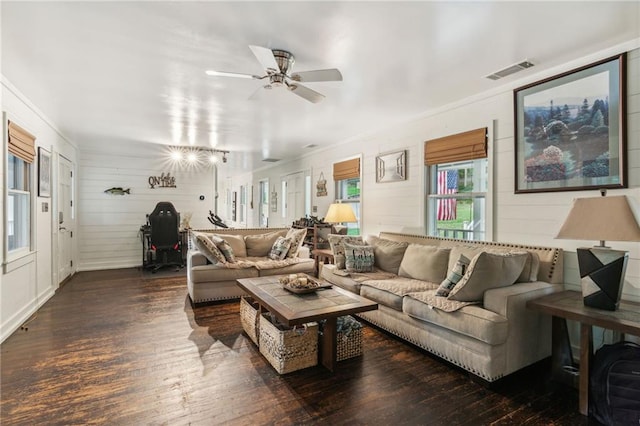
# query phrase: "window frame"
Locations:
[[14, 258], [355, 202]]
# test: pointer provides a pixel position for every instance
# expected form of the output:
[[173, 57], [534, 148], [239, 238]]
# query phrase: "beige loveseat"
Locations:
[[208, 282], [494, 337]]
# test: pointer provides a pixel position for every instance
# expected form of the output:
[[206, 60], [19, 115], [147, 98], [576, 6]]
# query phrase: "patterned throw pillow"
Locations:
[[358, 258], [225, 248], [454, 276], [297, 238], [337, 247], [280, 248], [208, 248]]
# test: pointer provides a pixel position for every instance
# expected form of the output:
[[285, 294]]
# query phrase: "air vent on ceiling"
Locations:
[[271, 160], [510, 70], [311, 145]]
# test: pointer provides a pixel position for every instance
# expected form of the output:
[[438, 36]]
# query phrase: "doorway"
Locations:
[[65, 218]]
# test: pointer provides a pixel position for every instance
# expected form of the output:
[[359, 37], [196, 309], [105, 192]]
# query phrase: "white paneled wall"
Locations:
[[108, 224], [520, 218]]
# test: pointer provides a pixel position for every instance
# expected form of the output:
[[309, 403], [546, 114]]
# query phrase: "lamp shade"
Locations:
[[600, 219], [340, 213]]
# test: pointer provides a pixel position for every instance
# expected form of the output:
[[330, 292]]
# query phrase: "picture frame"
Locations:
[[274, 201], [44, 173], [391, 167], [570, 130]]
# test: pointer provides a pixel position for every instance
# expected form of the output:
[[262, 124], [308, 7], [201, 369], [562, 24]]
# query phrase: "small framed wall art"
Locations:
[[391, 167], [44, 172]]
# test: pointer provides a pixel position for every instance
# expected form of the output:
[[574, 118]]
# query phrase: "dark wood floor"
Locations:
[[118, 347]]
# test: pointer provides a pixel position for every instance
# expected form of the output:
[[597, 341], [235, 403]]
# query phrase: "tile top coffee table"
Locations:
[[296, 309]]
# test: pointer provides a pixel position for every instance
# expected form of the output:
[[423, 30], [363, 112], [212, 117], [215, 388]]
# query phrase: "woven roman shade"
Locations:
[[21, 143], [348, 169], [460, 147]]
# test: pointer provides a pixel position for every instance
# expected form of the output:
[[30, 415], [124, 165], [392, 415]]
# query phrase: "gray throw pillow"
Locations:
[[486, 271], [280, 248], [425, 263], [388, 254], [208, 248], [337, 242]]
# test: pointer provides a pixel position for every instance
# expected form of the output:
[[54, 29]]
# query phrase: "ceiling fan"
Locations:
[[277, 64]]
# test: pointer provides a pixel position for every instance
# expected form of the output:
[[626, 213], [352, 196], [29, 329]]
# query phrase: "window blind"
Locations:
[[346, 169], [21, 143], [460, 147]]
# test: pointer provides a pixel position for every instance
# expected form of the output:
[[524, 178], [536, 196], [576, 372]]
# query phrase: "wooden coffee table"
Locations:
[[296, 309]]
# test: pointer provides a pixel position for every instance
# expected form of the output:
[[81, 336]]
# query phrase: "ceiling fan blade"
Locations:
[[317, 75], [265, 57], [231, 74], [306, 93], [257, 94]]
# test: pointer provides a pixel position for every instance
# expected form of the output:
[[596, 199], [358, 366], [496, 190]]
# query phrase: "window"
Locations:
[[459, 180], [346, 175], [21, 152], [243, 203], [264, 203], [457, 200]]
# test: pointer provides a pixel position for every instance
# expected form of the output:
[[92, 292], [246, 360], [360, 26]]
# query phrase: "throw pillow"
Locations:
[[225, 248], [336, 241], [454, 276], [236, 242], [425, 263], [388, 254], [530, 270], [358, 258], [260, 245], [280, 248], [208, 248], [297, 238], [486, 271]]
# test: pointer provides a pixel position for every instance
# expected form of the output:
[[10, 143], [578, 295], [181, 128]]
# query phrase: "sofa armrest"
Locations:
[[506, 301], [195, 258], [304, 252]]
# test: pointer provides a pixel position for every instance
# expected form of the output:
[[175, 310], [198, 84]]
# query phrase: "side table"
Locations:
[[568, 305], [321, 256]]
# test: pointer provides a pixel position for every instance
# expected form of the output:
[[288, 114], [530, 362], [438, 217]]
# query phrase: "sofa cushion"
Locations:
[[280, 248], [472, 321], [235, 242], [389, 292], [340, 278], [294, 266], [208, 248], [488, 270], [358, 258], [388, 254], [208, 273], [297, 238], [261, 244], [426, 263], [336, 241], [454, 276]]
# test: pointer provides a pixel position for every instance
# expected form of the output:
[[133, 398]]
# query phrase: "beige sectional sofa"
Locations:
[[208, 282], [490, 338]]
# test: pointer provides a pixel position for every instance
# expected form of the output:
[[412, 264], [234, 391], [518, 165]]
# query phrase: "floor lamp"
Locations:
[[338, 214], [602, 269]]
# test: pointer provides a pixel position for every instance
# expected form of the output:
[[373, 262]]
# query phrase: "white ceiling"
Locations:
[[135, 71]]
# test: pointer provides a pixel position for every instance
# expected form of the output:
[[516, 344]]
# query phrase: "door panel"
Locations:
[[66, 219]]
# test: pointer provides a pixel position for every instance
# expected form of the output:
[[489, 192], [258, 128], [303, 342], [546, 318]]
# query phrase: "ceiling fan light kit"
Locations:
[[277, 64]]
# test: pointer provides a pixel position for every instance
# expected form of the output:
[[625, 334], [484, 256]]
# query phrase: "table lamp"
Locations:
[[601, 268], [338, 214]]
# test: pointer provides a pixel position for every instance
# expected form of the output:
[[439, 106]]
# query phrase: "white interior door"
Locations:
[[295, 197], [65, 218]]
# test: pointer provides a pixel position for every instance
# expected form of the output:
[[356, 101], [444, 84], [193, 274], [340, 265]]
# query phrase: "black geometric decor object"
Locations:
[[602, 272]]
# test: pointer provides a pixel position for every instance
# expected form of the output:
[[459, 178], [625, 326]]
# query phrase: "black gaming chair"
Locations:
[[165, 237]]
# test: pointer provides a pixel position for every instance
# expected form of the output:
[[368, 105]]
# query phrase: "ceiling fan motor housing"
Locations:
[[284, 59]]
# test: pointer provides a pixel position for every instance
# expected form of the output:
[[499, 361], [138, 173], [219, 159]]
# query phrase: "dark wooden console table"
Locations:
[[568, 305]]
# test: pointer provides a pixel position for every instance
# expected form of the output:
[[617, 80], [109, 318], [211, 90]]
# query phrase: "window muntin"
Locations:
[[457, 200]]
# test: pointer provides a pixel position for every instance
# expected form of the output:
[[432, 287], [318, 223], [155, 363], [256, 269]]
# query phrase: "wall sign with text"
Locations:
[[162, 181]]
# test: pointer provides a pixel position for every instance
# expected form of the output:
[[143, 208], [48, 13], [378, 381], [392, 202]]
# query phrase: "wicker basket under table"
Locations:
[[249, 318], [349, 345], [290, 349]]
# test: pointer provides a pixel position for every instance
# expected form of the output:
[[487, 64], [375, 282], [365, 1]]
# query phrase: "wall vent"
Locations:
[[510, 70], [311, 145], [271, 160]]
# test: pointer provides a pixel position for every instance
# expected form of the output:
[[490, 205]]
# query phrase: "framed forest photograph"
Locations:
[[570, 130]]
